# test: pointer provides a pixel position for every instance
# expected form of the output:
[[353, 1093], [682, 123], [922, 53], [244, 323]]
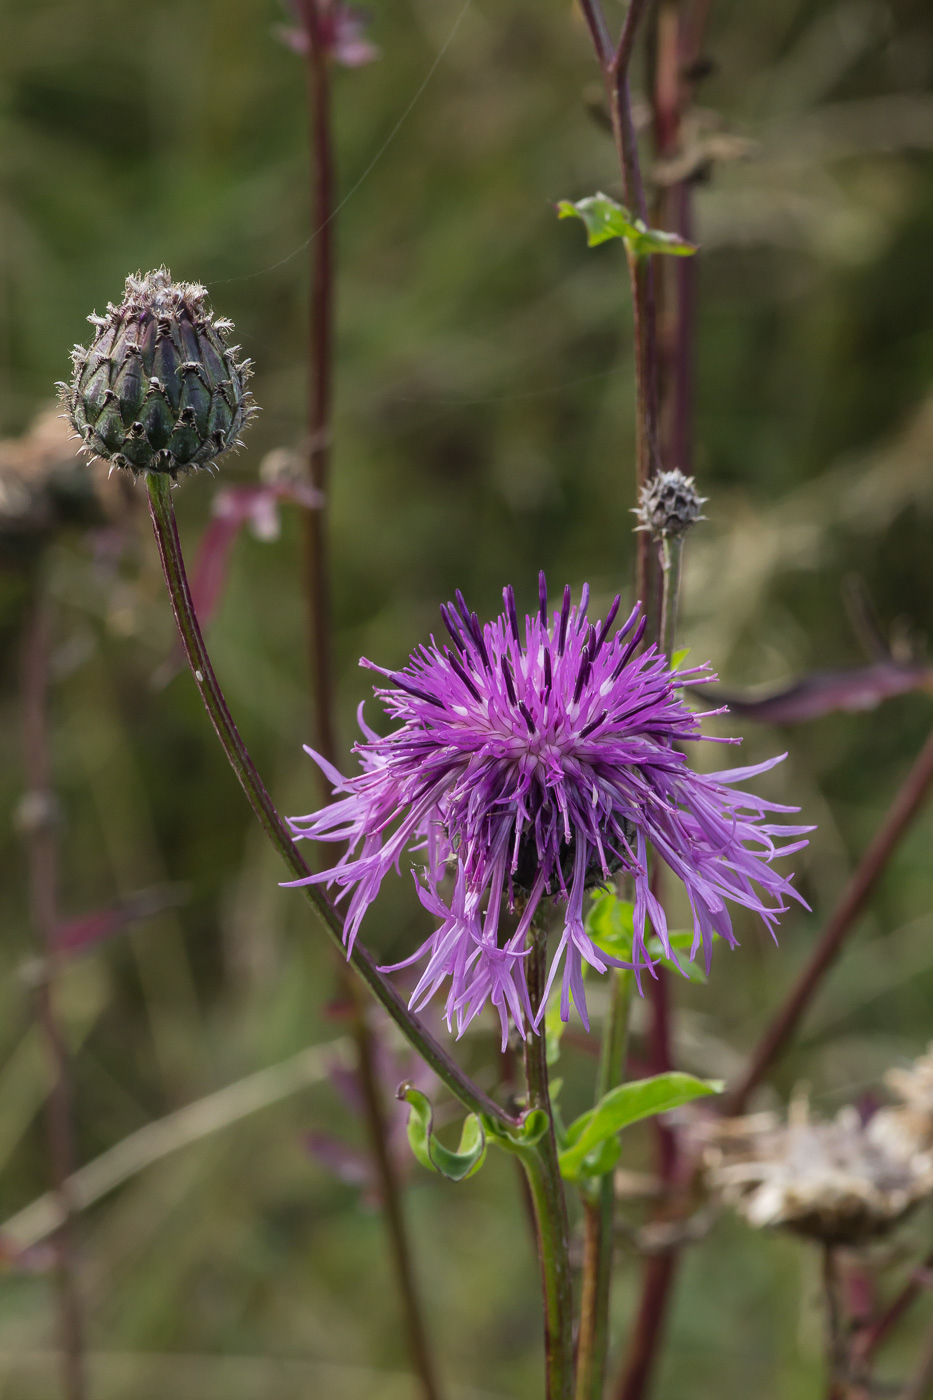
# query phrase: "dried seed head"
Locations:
[[46, 487], [844, 1181], [159, 389], [669, 505]]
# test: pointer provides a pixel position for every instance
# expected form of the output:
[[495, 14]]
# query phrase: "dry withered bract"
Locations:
[[842, 1181], [159, 389]]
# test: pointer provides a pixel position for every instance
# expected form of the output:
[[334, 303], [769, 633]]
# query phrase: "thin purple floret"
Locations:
[[536, 770]]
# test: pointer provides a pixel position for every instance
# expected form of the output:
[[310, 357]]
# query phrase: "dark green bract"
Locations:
[[159, 389]]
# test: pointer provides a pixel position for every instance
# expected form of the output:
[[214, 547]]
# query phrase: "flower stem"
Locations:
[[835, 1327], [38, 821], [547, 1194], [599, 1213], [672, 549], [648, 1327], [614, 62], [162, 514], [920, 1385], [321, 371], [872, 1337], [318, 19], [907, 803], [391, 1200]]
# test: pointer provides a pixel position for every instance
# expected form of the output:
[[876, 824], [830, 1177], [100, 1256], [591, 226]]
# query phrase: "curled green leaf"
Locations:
[[605, 219], [585, 1153], [524, 1137], [432, 1154]]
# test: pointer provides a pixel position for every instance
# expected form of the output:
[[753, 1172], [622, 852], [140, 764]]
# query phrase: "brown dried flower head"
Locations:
[[841, 1181]]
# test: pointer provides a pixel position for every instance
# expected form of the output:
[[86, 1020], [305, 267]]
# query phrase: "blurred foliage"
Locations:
[[484, 429]]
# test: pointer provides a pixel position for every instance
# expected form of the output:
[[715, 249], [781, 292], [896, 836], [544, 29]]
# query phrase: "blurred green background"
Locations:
[[484, 429]]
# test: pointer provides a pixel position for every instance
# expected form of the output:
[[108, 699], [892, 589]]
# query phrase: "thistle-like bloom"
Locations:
[[535, 763]]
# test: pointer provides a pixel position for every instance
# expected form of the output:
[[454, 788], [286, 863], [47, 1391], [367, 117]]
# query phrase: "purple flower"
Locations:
[[340, 28], [536, 763]]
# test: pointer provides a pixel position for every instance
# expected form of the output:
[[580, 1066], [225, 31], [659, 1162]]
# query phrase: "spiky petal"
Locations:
[[536, 761]]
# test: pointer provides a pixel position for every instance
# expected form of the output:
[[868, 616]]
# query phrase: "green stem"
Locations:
[[547, 1194], [593, 1340], [672, 549], [173, 567], [615, 1035]]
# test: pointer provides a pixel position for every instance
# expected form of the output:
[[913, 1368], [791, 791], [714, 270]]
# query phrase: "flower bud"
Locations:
[[669, 505], [159, 389]]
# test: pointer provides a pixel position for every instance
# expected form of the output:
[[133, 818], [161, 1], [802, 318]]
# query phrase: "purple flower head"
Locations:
[[535, 762]]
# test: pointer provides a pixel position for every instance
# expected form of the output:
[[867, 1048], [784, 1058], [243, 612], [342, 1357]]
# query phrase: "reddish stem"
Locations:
[[855, 896], [871, 1338], [675, 39], [38, 820], [321, 366], [318, 16], [614, 63], [658, 1273]]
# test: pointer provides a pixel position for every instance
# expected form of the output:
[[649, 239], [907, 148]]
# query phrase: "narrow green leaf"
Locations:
[[455, 1166], [605, 219], [679, 657], [627, 1104]]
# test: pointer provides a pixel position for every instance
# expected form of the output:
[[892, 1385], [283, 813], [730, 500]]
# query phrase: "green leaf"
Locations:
[[554, 1028], [628, 1103], [605, 219], [679, 657], [655, 240], [433, 1155], [681, 941], [523, 1137], [609, 924]]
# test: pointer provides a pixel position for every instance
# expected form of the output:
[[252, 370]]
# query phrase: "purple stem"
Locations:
[[907, 803], [614, 63], [836, 1358], [648, 1327], [318, 17], [38, 820], [872, 1337], [666, 401]]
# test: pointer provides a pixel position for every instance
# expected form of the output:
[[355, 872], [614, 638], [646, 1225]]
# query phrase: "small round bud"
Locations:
[[159, 389], [669, 505]]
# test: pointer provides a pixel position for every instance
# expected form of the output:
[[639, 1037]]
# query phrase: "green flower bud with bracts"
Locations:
[[668, 505], [159, 389]]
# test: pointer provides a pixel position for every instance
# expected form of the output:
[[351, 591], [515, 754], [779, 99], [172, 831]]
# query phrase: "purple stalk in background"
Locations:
[[37, 819], [332, 33], [674, 43], [536, 762]]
